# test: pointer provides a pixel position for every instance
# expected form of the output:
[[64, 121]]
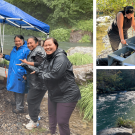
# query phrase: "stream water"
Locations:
[[9, 43], [112, 106]]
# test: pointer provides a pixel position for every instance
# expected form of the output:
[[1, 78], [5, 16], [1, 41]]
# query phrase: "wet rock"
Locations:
[[83, 73], [103, 19], [83, 50], [116, 131], [75, 36]]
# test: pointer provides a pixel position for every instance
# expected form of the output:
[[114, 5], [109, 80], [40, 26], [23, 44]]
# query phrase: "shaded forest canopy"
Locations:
[[111, 80], [56, 11]]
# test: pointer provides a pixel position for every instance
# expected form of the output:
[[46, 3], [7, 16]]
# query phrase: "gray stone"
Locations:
[[83, 50], [75, 36], [115, 131], [83, 73]]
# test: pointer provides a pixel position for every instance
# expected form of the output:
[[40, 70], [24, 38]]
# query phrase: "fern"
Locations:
[[86, 102], [80, 59]]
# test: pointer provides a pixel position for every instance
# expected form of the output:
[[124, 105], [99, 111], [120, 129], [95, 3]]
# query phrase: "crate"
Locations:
[[130, 60]]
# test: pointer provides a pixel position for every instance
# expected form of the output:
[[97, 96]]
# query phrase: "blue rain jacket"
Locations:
[[15, 81]]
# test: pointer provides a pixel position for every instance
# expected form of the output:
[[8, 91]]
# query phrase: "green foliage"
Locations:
[[85, 39], [54, 12], [80, 59], [10, 30], [85, 25], [109, 80], [61, 34], [125, 123], [111, 7], [86, 102], [4, 62]]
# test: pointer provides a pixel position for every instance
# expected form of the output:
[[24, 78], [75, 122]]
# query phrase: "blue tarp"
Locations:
[[11, 12]]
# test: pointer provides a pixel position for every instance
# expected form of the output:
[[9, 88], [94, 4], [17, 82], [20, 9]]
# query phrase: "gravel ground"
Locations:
[[12, 124]]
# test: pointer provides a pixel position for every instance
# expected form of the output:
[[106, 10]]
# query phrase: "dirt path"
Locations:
[[12, 124]]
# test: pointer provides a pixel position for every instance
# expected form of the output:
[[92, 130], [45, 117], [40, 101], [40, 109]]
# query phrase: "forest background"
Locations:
[[63, 17]]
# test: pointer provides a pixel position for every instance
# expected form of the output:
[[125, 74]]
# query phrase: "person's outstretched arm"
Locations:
[[120, 19]]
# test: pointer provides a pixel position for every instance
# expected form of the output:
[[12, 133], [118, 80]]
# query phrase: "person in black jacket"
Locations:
[[63, 92], [35, 85]]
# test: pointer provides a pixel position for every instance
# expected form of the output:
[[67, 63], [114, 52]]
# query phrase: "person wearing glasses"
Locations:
[[117, 32]]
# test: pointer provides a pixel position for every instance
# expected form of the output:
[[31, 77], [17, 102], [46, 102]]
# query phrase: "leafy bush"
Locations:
[[86, 102], [85, 25], [85, 39], [80, 59], [11, 30], [4, 62], [125, 123], [61, 34]]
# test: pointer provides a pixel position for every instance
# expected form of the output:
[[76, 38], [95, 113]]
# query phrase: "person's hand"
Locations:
[[24, 77], [18, 64], [123, 41], [1, 55], [33, 72], [24, 61], [132, 15]]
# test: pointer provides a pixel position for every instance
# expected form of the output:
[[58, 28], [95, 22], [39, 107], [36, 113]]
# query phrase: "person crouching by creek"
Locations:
[[63, 92], [35, 85], [15, 81], [117, 32]]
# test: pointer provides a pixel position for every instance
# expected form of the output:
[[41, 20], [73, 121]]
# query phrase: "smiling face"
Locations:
[[129, 15], [18, 42], [49, 46], [32, 44]]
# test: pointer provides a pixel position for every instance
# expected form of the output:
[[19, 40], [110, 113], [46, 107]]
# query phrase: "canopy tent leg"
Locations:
[[2, 36]]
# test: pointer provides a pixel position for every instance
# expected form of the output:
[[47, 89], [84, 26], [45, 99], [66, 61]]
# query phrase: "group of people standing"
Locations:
[[34, 70]]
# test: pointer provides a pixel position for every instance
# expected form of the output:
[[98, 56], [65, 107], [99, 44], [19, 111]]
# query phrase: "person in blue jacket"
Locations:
[[15, 80]]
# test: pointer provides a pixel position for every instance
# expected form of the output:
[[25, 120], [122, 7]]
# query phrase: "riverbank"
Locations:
[[105, 48], [11, 123], [110, 107]]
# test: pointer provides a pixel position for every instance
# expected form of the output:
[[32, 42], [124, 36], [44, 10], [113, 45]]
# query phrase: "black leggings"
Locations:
[[115, 40], [34, 99], [60, 113]]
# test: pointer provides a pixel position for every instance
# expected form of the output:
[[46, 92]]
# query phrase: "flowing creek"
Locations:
[[112, 106]]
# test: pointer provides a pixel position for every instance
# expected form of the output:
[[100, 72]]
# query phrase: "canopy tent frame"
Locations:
[[19, 26], [2, 36], [29, 26]]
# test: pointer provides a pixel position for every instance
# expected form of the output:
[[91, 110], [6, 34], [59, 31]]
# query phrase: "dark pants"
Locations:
[[115, 40], [60, 113], [34, 99], [19, 100]]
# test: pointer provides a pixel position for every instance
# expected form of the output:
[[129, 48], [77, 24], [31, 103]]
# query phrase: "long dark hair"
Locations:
[[129, 9], [54, 41]]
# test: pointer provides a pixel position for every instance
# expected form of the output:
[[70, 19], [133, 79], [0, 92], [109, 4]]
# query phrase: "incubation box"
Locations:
[[116, 56]]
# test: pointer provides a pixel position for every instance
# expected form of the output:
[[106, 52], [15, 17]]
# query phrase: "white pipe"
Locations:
[[35, 27], [3, 36], [13, 23]]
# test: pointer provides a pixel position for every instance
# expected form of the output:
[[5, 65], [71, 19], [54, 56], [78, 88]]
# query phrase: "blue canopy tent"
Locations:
[[12, 15]]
